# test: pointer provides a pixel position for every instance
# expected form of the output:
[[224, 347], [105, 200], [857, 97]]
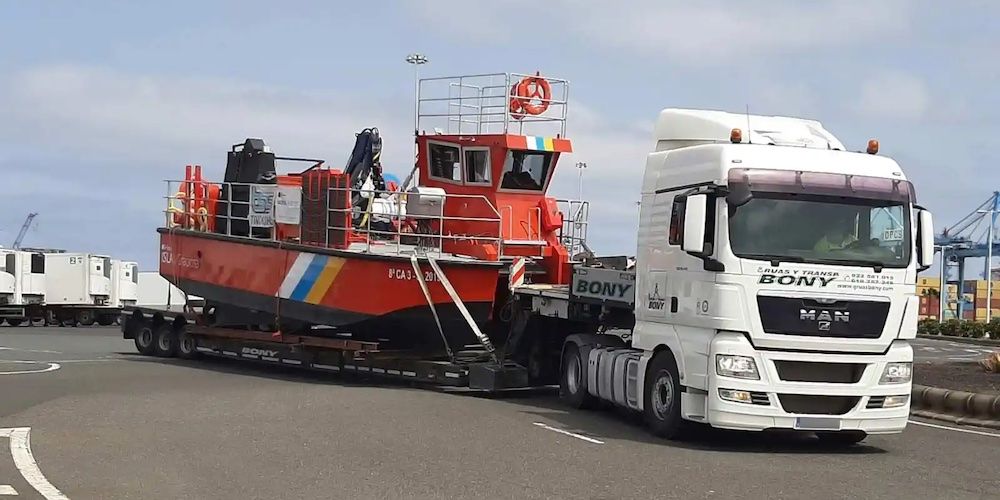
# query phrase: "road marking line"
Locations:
[[6, 489], [968, 431], [28, 350], [20, 449], [568, 433], [51, 368]]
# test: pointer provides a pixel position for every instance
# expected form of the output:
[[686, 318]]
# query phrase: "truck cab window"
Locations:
[[677, 221], [526, 170]]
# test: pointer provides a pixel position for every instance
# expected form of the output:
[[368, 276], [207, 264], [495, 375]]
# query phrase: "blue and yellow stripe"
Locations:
[[310, 277]]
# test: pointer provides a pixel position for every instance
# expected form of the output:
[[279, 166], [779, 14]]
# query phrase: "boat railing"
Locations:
[[573, 234], [481, 104], [366, 220]]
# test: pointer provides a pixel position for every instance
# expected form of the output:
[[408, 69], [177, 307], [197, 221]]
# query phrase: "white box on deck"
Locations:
[[77, 279], [678, 128], [155, 291]]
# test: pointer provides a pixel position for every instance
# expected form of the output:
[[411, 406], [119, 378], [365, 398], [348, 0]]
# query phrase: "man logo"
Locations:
[[823, 318]]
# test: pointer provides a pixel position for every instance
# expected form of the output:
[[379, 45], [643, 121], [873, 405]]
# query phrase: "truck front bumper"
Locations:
[[843, 391]]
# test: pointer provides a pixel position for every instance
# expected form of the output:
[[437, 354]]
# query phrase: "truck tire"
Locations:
[[145, 339], [662, 397], [186, 345], [573, 381], [85, 318], [15, 321], [842, 438], [105, 320], [166, 341]]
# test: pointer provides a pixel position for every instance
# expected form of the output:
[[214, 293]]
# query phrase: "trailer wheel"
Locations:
[[573, 382], [85, 318], [145, 339], [166, 341], [842, 438], [662, 397], [105, 320], [186, 345], [15, 321]]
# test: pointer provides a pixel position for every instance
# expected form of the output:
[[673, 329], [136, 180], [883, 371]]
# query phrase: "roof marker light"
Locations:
[[736, 136]]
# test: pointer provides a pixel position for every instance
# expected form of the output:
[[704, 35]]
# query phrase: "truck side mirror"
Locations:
[[739, 194], [695, 211], [925, 249]]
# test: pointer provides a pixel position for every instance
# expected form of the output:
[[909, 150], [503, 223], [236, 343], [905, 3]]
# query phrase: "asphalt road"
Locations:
[[945, 351], [103, 423]]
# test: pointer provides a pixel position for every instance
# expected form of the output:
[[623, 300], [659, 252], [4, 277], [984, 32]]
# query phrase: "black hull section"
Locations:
[[412, 328]]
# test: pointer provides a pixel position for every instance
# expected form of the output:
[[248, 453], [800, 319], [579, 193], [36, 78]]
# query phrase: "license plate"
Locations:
[[817, 424]]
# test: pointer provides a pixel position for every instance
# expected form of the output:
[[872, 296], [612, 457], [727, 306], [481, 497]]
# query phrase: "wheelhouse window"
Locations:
[[477, 166], [526, 170], [828, 218], [445, 161]]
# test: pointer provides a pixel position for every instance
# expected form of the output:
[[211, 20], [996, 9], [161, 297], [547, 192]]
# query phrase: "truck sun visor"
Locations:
[[822, 183]]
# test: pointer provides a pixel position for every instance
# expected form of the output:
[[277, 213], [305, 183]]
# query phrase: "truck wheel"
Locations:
[[662, 397], [166, 341], [105, 320], [85, 318], [145, 339], [842, 438], [573, 382], [15, 321], [186, 344]]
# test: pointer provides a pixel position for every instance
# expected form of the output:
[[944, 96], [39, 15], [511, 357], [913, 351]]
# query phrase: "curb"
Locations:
[[961, 340], [957, 407]]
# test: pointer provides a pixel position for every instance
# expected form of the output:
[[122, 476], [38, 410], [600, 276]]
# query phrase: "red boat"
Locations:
[[342, 252]]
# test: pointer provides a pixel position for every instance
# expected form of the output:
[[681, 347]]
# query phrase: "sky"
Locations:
[[101, 101]]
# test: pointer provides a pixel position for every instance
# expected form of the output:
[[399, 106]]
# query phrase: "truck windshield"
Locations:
[[840, 220]]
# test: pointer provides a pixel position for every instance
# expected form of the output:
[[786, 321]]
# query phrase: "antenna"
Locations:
[[749, 132]]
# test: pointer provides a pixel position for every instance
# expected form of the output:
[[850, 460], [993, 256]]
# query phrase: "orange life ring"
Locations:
[[527, 90]]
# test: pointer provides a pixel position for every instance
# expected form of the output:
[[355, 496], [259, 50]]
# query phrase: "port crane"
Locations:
[[24, 230]]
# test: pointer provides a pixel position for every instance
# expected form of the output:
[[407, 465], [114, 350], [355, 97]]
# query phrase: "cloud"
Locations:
[[894, 96], [178, 120], [697, 33]]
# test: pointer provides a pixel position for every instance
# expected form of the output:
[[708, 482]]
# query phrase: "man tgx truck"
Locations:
[[773, 288]]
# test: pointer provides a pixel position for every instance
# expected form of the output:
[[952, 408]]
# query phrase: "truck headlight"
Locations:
[[728, 365], [897, 373]]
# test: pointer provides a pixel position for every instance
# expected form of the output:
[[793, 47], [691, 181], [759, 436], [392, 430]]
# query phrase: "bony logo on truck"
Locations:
[[787, 279], [608, 289], [260, 352], [654, 301]]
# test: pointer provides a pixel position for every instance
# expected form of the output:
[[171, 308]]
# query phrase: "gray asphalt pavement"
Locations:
[[944, 351], [108, 424]]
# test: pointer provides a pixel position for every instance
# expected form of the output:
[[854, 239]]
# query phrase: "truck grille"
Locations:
[[876, 402], [861, 319], [806, 371], [817, 405]]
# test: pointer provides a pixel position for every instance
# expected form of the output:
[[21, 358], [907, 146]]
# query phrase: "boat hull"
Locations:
[[367, 295]]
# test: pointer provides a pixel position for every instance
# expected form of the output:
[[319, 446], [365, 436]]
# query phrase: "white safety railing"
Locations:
[[376, 221], [573, 235], [481, 104]]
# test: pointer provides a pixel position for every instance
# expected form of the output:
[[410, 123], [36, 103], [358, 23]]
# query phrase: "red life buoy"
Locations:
[[527, 90]]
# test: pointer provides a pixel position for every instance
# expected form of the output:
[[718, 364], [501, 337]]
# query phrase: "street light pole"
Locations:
[[581, 166], [416, 59]]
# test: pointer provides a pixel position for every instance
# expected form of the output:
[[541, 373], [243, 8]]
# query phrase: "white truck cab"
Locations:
[[774, 285], [776, 273]]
